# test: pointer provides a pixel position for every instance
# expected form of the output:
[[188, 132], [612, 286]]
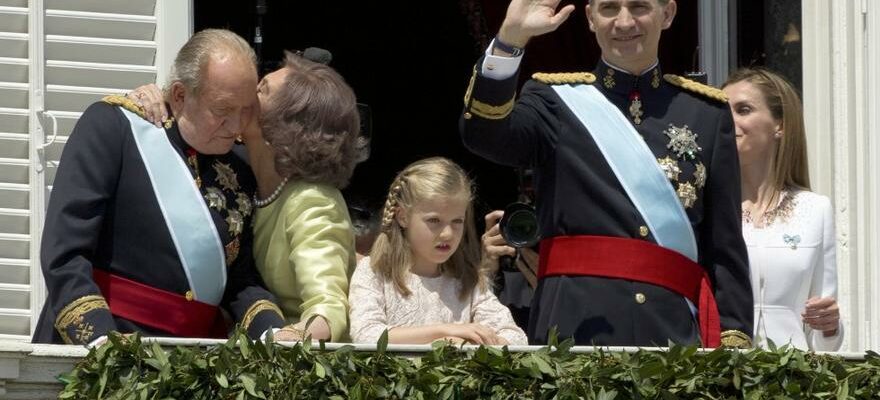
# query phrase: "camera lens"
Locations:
[[519, 227]]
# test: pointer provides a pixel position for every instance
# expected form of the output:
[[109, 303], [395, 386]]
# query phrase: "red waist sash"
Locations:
[[635, 260], [160, 309]]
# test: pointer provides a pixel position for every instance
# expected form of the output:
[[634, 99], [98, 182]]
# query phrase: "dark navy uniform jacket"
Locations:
[[578, 194], [104, 214]]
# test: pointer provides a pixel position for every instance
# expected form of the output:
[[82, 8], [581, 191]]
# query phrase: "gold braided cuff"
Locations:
[[256, 308], [736, 339], [73, 314], [485, 110], [489, 111]]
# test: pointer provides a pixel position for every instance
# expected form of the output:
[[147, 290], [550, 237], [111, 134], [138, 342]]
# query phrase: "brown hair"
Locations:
[[422, 180], [788, 166], [202, 47], [312, 123]]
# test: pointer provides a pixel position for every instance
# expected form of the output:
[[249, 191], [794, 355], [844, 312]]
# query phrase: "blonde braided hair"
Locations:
[[391, 255], [390, 208]]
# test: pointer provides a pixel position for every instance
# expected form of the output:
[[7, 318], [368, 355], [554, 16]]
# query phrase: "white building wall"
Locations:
[[841, 111]]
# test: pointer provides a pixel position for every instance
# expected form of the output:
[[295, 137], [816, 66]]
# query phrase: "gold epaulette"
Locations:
[[696, 87], [126, 103], [564, 78], [735, 339]]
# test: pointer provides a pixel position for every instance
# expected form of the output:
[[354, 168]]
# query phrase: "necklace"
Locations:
[[782, 211], [260, 203]]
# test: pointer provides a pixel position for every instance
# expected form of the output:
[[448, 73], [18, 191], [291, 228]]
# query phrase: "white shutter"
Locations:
[[56, 58], [15, 237]]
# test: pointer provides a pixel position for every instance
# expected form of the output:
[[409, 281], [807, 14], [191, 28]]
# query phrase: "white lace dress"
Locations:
[[792, 258], [376, 306]]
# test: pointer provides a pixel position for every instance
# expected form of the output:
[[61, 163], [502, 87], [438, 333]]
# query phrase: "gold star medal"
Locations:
[[215, 198], [226, 176], [245, 206], [235, 222], [670, 168], [682, 142], [687, 194]]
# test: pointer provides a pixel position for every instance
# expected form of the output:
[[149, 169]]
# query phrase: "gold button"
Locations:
[[490, 67], [643, 231], [467, 115], [640, 298], [189, 295]]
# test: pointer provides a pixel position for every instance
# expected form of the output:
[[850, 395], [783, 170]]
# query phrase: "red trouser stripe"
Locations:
[[635, 260]]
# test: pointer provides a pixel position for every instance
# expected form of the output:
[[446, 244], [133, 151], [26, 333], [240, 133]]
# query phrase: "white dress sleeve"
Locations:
[[367, 299], [825, 278], [488, 311]]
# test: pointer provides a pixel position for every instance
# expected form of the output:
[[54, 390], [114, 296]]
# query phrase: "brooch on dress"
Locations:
[[791, 240]]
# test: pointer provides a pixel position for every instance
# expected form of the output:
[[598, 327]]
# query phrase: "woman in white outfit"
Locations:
[[788, 229]]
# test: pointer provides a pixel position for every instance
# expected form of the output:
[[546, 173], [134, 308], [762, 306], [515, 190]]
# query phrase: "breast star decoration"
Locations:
[[245, 205], [682, 142], [235, 222], [215, 198], [226, 176]]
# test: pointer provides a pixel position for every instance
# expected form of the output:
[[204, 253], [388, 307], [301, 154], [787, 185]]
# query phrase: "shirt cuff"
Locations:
[[266, 333], [499, 67], [97, 342]]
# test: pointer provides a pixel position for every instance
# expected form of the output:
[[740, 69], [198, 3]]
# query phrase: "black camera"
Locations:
[[519, 225]]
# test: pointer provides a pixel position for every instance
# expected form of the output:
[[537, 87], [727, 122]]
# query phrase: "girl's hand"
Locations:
[[150, 98], [474, 333], [822, 314]]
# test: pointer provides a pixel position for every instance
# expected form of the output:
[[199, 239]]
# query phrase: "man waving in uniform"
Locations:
[[636, 182]]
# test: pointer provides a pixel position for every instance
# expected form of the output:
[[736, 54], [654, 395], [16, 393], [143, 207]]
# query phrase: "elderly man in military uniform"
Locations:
[[635, 177], [148, 229]]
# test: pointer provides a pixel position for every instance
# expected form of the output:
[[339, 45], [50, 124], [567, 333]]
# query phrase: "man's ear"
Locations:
[[590, 18], [402, 217], [669, 13], [177, 96]]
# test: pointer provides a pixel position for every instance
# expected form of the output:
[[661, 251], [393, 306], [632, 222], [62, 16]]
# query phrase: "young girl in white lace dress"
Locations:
[[789, 230], [422, 280]]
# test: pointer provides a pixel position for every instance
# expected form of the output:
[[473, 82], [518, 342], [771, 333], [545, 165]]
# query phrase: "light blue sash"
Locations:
[[186, 214], [635, 167]]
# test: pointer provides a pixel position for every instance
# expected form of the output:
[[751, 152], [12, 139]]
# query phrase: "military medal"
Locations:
[[700, 175], [687, 194], [226, 176], [670, 168], [245, 206], [635, 106], [235, 222], [192, 158], [682, 142], [215, 198], [232, 251], [608, 80]]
